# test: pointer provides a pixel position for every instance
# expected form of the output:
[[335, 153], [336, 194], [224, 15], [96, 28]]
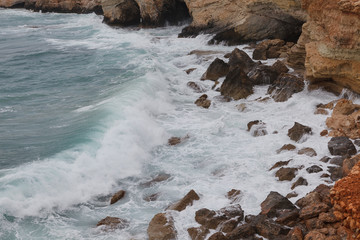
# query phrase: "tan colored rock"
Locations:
[[188, 200], [117, 196], [161, 227]]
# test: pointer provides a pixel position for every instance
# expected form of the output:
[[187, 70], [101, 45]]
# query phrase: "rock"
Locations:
[[195, 87], [309, 199], [121, 12], [239, 58], [314, 169], [341, 146], [357, 142], [250, 21], [202, 101], [285, 86], [349, 163], [314, 223], [161, 227], [315, 235], [295, 234], [288, 217], [268, 228], [286, 147], [268, 49], [300, 182], [174, 141], [257, 128], [217, 236], [190, 70], [325, 159], [321, 111], [324, 133], [332, 53], [292, 195], [313, 210], [298, 131], [328, 217], [263, 74], [279, 164], [307, 151], [117, 196], [159, 178], [234, 195], [202, 53], [335, 173], [279, 67], [237, 84], [337, 160], [229, 225], [286, 174], [152, 197], [198, 233], [241, 232], [112, 223], [217, 69], [188, 200], [275, 202]]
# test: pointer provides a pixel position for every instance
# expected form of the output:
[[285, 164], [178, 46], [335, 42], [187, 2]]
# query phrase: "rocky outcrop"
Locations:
[[161, 227], [332, 42], [251, 20]]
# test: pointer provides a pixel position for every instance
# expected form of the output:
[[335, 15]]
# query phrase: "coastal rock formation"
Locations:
[[331, 39], [251, 20], [161, 227]]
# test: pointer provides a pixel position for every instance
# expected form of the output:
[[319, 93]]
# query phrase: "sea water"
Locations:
[[86, 110]]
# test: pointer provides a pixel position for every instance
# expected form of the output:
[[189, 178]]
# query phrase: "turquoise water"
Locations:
[[86, 110]]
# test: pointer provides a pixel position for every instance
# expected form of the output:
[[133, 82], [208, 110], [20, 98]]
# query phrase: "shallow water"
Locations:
[[86, 110]]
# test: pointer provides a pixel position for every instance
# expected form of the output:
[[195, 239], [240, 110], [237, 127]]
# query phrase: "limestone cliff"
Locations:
[[331, 39], [244, 21]]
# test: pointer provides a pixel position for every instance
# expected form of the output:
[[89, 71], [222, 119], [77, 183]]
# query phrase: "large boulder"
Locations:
[[188, 200], [237, 84], [285, 86], [112, 223], [121, 12], [161, 227], [298, 131], [250, 20], [217, 69], [341, 146], [275, 202]]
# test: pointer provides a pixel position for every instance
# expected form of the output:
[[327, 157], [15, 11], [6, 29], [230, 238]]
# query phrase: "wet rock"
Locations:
[[268, 228], [285, 86], [286, 174], [195, 87], [286, 147], [274, 202], [341, 146], [121, 12], [349, 163], [314, 223], [337, 160], [298, 131], [202, 101], [198, 233], [217, 69], [309, 199], [117, 196], [263, 74], [292, 195], [152, 197], [112, 223], [188, 200], [201, 53], [313, 210], [307, 151], [324, 133], [288, 217], [237, 84], [314, 169], [217, 236], [241, 107], [257, 128], [321, 111], [268, 49], [159, 178], [325, 159], [295, 234], [229, 225], [174, 141], [234, 195], [357, 142], [280, 67], [300, 182], [190, 70], [241, 232], [161, 227], [335, 173], [239, 58]]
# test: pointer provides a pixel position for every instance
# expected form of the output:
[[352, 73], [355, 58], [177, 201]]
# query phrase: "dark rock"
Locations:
[[336, 173], [268, 228], [202, 101], [328, 217], [159, 178], [324, 133], [195, 87], [288, 217], [198, 233], [174, 141], [190, 70], [237, 84], [123, 12], [252, 123], [298, 131], [117, 196], [341, 146], [337, 160], [300, 182], [274, 202], [161, 227], [309, 199], [325, 159], [307, 151], [241, 232], [286, 174], [229, 225], [286, 147], [349, 163], [205, 217], [268, 49], [280, 67], [314, 223], [313, 210], [357, 142], [295, 234], [239, 58], [112, 223], [263, 74], [285, 86], [217, 236], [217, 69], [314, 169], [292, 195], [324, 175], [188, 200]]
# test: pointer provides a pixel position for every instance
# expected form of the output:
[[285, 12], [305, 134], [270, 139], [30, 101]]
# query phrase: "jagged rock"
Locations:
[[217, 69], [269, 228], [257, 128], [335, 173], [300, 182], [292, 195], [298, 131], [243, 231], [315, 235], [161, 227], [202, 101], [286, 147], [112, 223], [217, 236], [237, 84], [349, 163], [159, 178], [195, 87], [337, 160], [174, 141], [314, 169], [309, 199], [321, 111], [263, 74], [198, 233], [121, 12], [314, 223], [279, 164], [285, 86], [190, 70], [307, 151], [268, 49], [234, 195], [275, 202], [325, 159], [288, 217], [239, 58], [313, 210], [279, 67], [328, 217], [286, 174], [295, 234], [341, 146], [188, 200], [117, 196]]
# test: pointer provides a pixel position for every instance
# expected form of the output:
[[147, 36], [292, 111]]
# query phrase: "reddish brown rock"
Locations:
[[161, 227], [298, 131], [217, 69], [307, 151], [198, 233], [274, 202], [295, 234], [112, 223], [285, 86], [313, 210], [268, 49], [237, 84], [286, 147], [202, 101], [117, 196], [279, 164], [188, 200], [286, 174], [300, 182], [195, 87]]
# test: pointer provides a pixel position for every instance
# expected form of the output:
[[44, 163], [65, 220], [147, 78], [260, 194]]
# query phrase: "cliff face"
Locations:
[[244, 21], [331, 38]]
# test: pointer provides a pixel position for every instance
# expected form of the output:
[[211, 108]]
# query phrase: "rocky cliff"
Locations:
[[331, 40], [243, 21]]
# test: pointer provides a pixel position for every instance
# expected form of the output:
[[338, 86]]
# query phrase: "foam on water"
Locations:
[[65, 195]]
